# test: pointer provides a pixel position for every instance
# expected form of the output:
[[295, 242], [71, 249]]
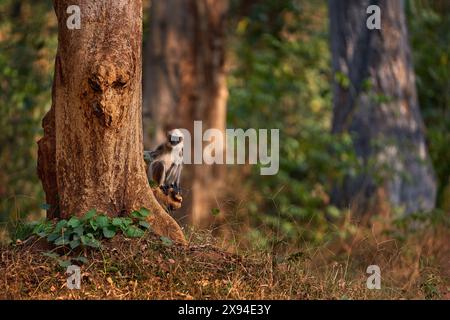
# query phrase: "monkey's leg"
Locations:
[[159, 175]]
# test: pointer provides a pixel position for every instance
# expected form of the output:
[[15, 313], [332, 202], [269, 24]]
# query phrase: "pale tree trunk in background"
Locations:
[[91, 155], [184, 81], [385, 118]]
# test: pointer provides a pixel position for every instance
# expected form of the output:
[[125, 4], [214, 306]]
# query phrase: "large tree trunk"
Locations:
[[185, 81], [379, 106], [91, 155]]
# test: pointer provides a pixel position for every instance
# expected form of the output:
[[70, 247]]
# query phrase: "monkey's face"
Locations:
[[175, 138]]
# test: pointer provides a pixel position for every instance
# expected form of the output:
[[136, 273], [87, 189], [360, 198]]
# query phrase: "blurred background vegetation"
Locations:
[[28, 39], [279, 76]]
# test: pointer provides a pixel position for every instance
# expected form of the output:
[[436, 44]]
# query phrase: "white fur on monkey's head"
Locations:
[[175, 137]]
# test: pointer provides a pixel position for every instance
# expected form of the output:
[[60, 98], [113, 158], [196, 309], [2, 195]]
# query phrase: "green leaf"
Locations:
[[94, 243], [60, 225], [93, 224], [89, 215], [134, 232], [124, 223], [166, 241], [109, 232], [74, 243], [215, 211], [136, 214], [127, 221], [144, 224], [43, 229], [117, 222], [140, 214], [90, 241], [144, 212], [64, 263], [38, 229], [61, 241], [79, 230], [53, 236], [74, 222], [102, 221], [85, 239]]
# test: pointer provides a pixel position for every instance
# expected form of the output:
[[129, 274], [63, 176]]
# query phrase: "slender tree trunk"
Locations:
[[185, 80], [375, 100], [91, 155]]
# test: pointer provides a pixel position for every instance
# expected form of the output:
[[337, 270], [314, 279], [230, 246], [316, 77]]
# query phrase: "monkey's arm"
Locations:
[[178, 172], [178, 178], [173, 174]]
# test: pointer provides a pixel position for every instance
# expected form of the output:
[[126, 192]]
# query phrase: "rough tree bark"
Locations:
[[184, 81], [91, 155], [379, 107]]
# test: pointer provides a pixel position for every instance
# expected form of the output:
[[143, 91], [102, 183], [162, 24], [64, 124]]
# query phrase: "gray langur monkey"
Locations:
[[166, 162]]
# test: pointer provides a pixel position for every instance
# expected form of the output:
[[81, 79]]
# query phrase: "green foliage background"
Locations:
[[27, 50], [281, 78]]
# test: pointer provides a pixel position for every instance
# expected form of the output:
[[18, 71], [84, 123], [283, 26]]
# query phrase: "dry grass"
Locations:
[[414, 268]]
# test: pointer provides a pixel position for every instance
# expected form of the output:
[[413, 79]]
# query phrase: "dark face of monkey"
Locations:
[[174, 138]]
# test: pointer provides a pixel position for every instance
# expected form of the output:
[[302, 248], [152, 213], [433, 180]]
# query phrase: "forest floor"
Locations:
[[413, 267]]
